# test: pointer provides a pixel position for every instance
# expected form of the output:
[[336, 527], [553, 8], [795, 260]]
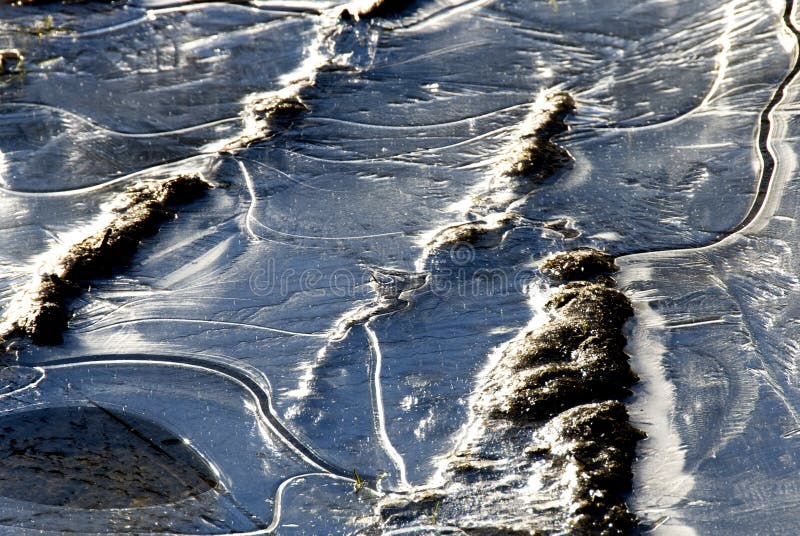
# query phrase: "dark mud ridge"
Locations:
[[530, 158], [534, 154], [267, 114], [366, 9], [40, 311], [549, 412]]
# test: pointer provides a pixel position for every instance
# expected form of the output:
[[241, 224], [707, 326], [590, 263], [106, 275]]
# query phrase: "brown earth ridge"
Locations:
[[558, 386], [40, 311]]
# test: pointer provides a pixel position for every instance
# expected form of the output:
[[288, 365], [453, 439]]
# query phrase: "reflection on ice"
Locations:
[[303, 327]]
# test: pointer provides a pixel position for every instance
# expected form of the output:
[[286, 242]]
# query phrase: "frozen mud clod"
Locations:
[[578, 264], [40, 311], [534, 155], [559, 387]]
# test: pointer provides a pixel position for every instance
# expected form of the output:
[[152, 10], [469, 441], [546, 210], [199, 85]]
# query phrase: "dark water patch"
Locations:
[[93, 458], [41, 310]]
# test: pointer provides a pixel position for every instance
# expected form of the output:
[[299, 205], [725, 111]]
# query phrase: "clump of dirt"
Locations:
[[274, 112], [40, 311], [480, 233], [368, 9], [550, 407], [594, 305], [563, 227], [578, 264], [534, 155], [601, 447], [597, 372], [576, 358], [530, 157], [571, 375], [11, 61], [267, 114]]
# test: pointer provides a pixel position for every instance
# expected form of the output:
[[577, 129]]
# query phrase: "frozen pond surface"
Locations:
[[293, 326]]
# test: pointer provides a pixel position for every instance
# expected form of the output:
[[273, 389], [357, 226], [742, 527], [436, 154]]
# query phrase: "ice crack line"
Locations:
[[377, 401], [766, 152], [237, 374]]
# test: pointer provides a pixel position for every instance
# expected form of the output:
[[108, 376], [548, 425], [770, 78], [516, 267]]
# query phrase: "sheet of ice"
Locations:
[[234, 326]]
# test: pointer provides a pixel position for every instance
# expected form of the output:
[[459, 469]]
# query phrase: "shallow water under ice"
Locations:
[[293, 327]]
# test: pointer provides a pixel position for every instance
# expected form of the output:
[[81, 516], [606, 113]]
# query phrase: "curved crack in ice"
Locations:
[[766, 153], [251, 221], [256, 384], [201, 322], [377, 404]]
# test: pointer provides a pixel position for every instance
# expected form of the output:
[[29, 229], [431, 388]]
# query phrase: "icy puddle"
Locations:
[[358, 325]]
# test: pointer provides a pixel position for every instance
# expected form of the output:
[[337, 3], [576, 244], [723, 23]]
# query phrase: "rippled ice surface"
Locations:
[[233, 330]]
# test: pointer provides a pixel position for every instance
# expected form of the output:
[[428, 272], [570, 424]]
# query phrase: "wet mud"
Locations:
[[41, 311], [572, 373], [532, 155]]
